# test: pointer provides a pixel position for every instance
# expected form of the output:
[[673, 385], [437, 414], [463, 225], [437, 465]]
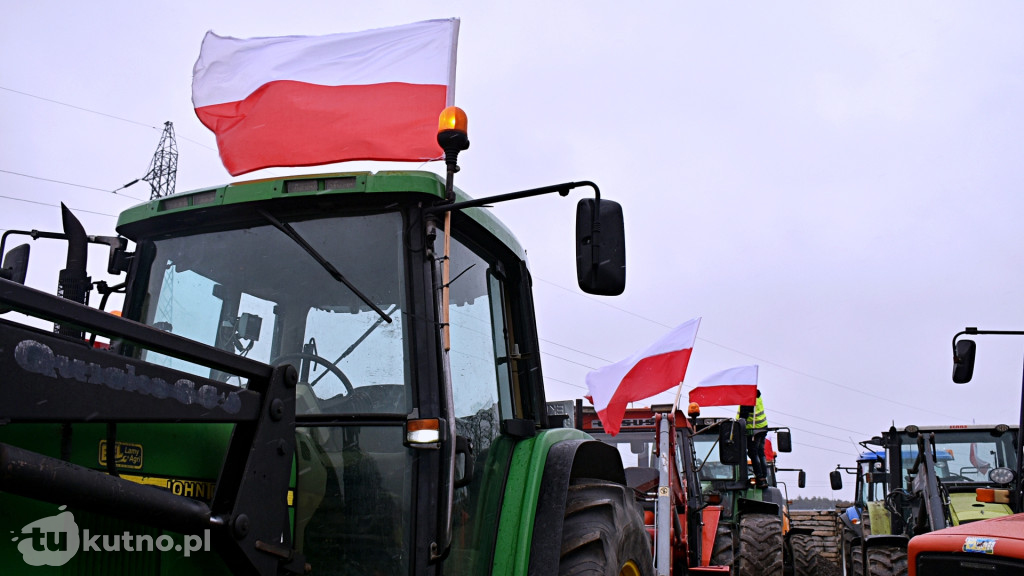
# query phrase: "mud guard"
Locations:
[[710, 515], [747, 506], [856, 529], [565, 461], [898, 541]]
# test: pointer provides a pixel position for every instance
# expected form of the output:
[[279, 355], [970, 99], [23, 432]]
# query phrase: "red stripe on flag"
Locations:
[[289, 123], [731, 395], [650, 376]]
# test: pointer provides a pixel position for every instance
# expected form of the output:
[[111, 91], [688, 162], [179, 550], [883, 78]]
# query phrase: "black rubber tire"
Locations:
[[887, 561], [856, 561], [849, 551], [603, 532], [721, 551], [805, 556], [760, 546]]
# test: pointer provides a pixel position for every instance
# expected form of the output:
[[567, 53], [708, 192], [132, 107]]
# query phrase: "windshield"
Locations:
[[709, 464], [635, 448], [964, 456], [256, 292]]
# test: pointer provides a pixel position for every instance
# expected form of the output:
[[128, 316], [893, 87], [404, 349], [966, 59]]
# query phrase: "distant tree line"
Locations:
[[815, 503]]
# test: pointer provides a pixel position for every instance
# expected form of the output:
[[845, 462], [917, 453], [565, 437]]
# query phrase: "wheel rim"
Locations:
[[629, 569]]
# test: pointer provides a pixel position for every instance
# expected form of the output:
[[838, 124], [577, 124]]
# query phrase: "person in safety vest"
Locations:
[[757, 431]]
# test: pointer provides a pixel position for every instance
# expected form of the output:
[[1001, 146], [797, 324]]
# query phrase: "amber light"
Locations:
[[992, 496], [453, 118], [423, 431], [693, 410]]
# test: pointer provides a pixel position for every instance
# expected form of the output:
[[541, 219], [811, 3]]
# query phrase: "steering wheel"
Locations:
[[331, 366]]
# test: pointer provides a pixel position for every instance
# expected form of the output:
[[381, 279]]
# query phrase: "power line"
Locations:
[[820, 448], [546, 378], [751, 356], [58, 102], [76, 107], [56, 206], [569, 361], [69, 184], [577, 351]]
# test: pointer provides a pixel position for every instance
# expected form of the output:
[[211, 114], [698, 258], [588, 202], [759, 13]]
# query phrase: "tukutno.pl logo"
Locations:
[[54, 540]]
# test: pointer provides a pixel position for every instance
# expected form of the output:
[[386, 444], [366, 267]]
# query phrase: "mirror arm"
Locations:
[[562, 189], [35, 234], [972, 331]]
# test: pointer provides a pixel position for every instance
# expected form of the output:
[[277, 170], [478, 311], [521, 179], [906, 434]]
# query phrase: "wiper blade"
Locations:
[[291, 233], [353, 346]]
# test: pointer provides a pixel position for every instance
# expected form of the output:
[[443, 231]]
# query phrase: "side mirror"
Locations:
[[118, 259], [600, 247], [732, 443], [15, 265], [835, 477], [785, 441], [963, 361], [801, 479]]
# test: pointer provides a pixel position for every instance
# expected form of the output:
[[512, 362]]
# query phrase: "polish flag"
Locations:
[[307, 100], [651, 371], [731, 387]]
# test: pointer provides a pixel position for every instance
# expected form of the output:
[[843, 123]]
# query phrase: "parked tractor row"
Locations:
[[701, 506], [936, 500]]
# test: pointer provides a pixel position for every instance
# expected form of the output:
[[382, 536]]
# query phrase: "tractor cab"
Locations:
[[406, 313]]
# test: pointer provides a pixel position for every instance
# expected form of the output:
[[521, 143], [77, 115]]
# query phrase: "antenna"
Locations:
[[164, 168]]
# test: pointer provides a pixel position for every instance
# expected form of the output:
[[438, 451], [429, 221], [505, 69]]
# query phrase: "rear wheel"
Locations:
[[804, 555], [856, 561], [603, 532], [760, 547], [887, 561], [721, 552], [849, 551]]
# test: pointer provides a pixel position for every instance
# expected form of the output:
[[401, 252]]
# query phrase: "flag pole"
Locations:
[[679, 392]]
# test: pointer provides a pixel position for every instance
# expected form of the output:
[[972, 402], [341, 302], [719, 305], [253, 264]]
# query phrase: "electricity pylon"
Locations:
[[164, 168]]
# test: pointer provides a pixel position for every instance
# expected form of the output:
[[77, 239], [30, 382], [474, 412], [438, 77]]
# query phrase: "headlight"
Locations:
[[1000, 476]]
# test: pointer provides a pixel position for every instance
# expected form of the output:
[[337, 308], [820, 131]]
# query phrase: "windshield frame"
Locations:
[[949, 438], [275, 276]]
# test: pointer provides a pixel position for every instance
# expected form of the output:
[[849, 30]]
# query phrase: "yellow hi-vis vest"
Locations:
[[758, 420]]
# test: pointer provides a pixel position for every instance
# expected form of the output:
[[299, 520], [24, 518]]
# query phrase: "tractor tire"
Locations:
[[805, 557], [856, 565], [887, 561], [852, 563], [721, 552], [760, 547], [603, 532]]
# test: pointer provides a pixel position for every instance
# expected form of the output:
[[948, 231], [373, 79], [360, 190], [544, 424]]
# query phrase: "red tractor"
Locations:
[[656, 446]]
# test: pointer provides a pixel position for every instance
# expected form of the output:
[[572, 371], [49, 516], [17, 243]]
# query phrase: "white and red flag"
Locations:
[[730, 387], [307, 100], [646, 373]]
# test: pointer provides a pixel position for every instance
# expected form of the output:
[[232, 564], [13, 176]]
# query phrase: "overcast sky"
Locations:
[[833, 187]]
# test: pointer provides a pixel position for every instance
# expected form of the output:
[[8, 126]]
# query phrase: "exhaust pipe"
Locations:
[[74, 283]]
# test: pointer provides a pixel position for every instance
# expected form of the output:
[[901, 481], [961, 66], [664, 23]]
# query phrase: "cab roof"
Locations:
[[414, 182]]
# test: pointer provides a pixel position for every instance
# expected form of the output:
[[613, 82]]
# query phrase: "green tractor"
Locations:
[[326, 374], [753, 533]]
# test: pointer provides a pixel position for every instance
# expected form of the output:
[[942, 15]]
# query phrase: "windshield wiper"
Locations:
[[291, 233]]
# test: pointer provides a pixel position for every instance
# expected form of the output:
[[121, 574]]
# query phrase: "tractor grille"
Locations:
[[957, 564]]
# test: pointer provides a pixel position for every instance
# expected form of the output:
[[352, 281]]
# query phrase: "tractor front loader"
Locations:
[[924, 479], [656, 445]]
